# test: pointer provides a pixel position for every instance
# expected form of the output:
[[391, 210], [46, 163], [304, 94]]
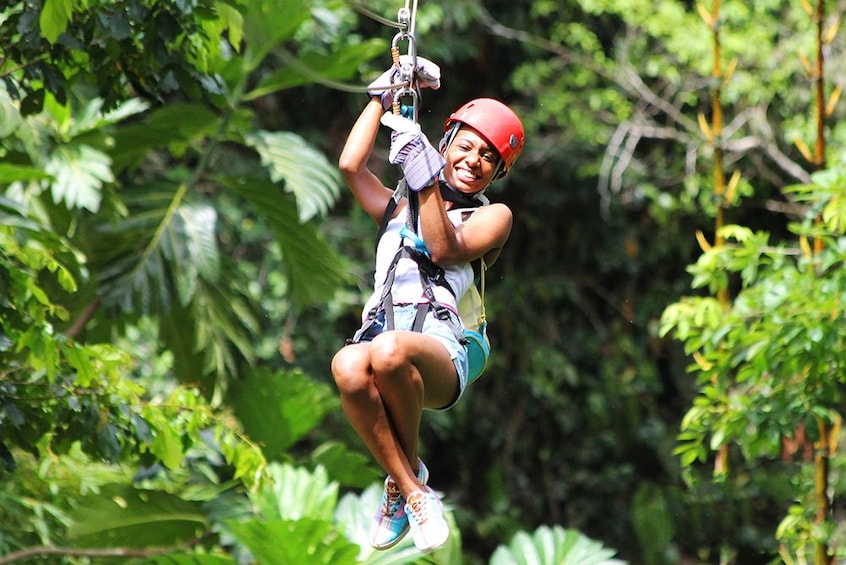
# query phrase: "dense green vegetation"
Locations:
[[179, 260]]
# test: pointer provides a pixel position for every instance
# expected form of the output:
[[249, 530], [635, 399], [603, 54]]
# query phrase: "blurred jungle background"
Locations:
[[179, 260]]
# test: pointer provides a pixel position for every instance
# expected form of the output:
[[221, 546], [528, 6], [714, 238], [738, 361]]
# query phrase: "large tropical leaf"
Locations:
[[278, 409], [304, 171], [121, 515], [293, 493], [163, 260], [206, 337], [294, 542], [314, 270], [267, 24], [553, 546], [348, 467], [319, 67], [174, 126], [154, 258], [295, 526]]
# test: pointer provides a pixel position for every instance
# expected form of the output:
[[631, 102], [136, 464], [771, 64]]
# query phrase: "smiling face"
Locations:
[[471, 161]]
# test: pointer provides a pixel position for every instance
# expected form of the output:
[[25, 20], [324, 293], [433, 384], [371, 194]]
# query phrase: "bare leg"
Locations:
[[384, 387]]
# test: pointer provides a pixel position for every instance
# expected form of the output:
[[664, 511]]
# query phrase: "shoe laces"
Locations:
[[419, 508], [393, 499]]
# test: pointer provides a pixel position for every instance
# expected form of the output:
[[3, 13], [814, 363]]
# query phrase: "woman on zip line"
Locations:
[[387, 377]]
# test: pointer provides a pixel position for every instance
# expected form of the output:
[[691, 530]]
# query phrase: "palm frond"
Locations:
[[304, 171], [156, 256], [314, 270]]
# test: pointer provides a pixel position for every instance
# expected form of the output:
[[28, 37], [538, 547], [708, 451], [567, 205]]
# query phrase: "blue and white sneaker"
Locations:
[[390, 524], [425, 513]]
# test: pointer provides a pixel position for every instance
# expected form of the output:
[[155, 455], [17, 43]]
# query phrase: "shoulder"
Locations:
[[485, 232], [495, 212]]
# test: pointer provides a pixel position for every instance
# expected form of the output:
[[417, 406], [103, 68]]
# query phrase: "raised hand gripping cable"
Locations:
[[407, 88]]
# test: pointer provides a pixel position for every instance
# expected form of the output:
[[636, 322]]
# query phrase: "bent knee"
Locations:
[[387, 353], [351, 370]]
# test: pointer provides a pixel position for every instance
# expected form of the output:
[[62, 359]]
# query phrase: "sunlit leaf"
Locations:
[[553, 546], [268, 23], [167, 446], [79, 172], [313, 268], [293, 493], [55, 16], [92, 116], [305, 172], [309, 541], [10, 115], [124, 516], [319, 67]]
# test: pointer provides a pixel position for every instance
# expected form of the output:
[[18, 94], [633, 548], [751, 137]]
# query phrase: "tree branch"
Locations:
[[83, 319], [92, 552]]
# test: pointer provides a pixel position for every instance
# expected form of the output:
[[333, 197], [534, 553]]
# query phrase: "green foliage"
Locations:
[[313, 268], [123, 516], [289, 159], [295, 505], [770, 362], [63, 398], [313, 541], [146, 182], [153, 48], [653, 522], [278, 409], [155, 248], [553, 546], [108, 218]]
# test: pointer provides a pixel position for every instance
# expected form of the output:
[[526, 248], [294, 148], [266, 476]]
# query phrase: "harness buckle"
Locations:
[[441, 312]]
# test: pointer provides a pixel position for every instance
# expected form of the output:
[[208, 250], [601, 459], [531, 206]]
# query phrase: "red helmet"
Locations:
[[497, 123]]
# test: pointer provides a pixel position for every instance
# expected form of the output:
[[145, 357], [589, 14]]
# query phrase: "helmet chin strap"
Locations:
[[450, 194]]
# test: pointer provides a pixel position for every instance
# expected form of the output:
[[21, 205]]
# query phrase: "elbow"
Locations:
[[348, 166], [444, 258], [353, 168]]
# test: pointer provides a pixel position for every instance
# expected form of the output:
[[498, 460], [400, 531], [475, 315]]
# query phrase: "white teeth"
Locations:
[[466, 176]]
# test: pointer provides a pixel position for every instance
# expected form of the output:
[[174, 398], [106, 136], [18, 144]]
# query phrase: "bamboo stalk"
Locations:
[[822, 453], [721, 464]]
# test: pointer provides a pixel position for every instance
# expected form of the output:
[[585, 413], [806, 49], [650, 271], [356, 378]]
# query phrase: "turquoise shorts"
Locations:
[[404, 315]]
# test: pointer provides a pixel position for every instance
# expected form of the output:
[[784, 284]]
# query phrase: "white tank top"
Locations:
[[407, 288]]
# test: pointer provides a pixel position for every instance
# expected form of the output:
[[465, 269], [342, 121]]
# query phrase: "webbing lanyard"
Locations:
[[406, 18]]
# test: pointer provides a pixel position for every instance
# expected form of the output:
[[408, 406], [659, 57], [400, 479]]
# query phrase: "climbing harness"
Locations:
[[470, 327]]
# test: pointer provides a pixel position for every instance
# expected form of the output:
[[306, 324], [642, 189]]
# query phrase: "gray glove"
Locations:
[[411, 150], [428, 75]]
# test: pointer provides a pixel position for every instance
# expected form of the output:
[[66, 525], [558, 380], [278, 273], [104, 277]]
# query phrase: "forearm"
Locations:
[[436, 229], [361, 139], [368, 190]]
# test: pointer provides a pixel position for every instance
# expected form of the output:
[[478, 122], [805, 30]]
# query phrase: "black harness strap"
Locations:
[[430, 273]]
